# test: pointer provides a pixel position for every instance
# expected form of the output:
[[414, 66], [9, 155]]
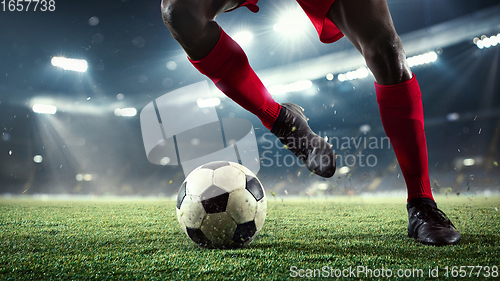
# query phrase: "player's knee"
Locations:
[[167, 7], [384, 49], [385, 54]]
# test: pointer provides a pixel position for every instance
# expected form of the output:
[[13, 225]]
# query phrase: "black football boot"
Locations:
[[429, 225], [292, 130]]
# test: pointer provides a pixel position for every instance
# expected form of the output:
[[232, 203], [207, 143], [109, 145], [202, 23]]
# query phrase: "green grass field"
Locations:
[[141, 240]]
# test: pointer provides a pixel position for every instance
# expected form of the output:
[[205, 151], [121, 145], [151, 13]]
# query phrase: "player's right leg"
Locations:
[[192, 23], [215, 54], [368, 26], [218, 56]]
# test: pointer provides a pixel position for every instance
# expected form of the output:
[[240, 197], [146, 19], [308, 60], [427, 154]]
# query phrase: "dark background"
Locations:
[[128, 51]]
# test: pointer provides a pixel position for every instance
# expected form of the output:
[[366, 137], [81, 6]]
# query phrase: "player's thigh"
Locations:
[[200, 9], [363, 22]]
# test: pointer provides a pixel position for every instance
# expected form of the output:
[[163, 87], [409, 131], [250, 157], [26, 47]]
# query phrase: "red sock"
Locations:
[[227, 66], [403, 119]]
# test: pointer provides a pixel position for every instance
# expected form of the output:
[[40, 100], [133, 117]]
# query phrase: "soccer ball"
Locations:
[[221, 205]]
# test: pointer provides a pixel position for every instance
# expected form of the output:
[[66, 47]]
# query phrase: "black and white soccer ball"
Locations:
[[221, 204]]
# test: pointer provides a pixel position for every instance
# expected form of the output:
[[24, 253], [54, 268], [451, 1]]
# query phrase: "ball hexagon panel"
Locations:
[[192, 212], [219, 228], [244, 232], [241, 206], [215, 165], [181, 195], [254, 186], [260, 216], [229, 178], [214, 199], [198, 237], [198, 180]]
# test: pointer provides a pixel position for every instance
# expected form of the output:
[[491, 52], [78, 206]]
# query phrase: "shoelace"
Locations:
[[434, 214]]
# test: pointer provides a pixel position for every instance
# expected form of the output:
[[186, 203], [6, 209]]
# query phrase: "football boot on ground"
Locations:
[[429, 225], [292, 130]]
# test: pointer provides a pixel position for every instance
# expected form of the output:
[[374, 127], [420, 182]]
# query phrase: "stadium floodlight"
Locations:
[[291, 23], [422, 59], [126, 112], [70, 64], [277, 90], [38, 159], [486, 42], [293, 87], [469, 162], [299, 86], [202, 103], [243, 37], [494, 40], [44, 109], [452, 117], [480, 44], [361, 72]]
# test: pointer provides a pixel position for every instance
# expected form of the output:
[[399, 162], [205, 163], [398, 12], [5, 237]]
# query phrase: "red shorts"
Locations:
[[316, 10]]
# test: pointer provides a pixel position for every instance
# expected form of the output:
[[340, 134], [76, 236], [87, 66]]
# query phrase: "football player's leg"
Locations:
[[368, 25], [215, 54]]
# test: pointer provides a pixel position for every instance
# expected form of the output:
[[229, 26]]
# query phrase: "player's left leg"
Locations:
[[215, 54], [368, 26]]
